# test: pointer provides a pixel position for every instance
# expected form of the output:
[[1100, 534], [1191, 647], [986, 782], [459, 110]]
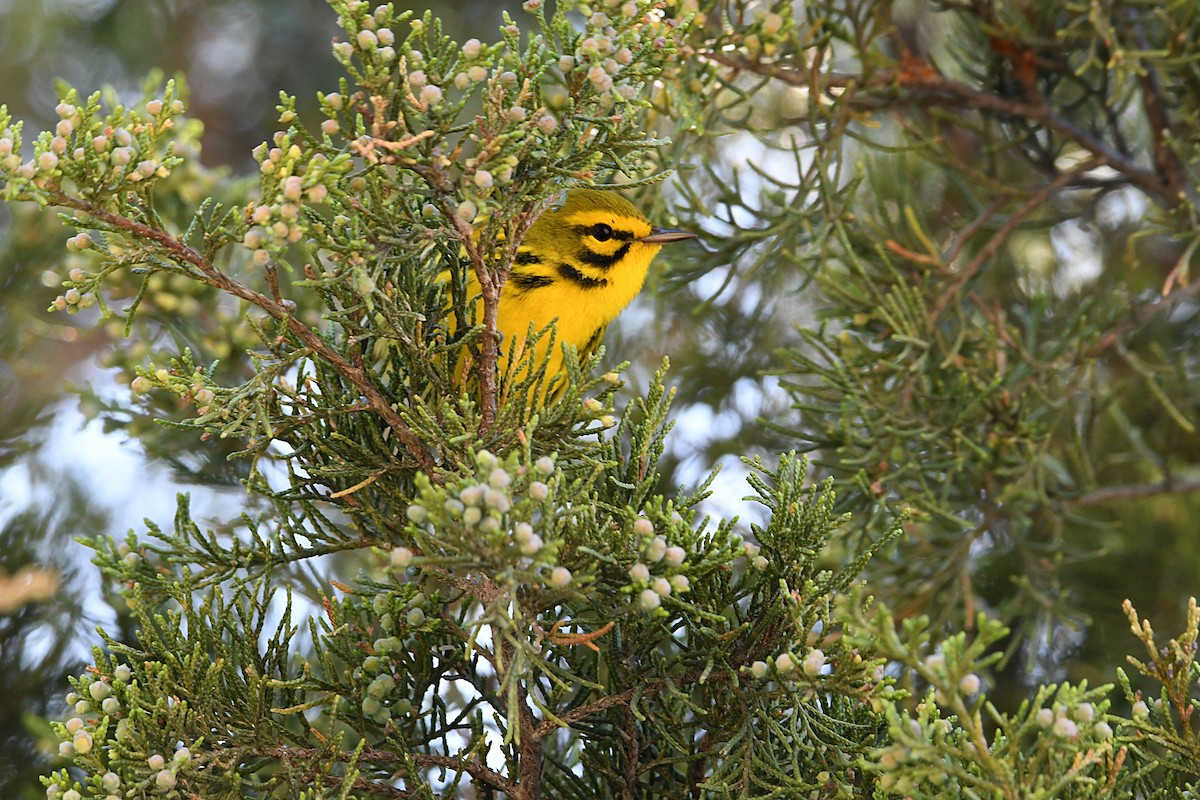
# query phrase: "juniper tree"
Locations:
[[508, 601]]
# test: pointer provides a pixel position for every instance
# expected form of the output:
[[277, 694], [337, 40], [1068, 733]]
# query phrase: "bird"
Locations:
[[579, 265]]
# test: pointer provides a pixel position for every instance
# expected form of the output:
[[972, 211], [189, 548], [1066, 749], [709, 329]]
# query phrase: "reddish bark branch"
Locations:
[[929, 88], [277, 309]]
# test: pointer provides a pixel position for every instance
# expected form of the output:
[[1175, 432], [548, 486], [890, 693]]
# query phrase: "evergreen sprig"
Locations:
[[505, 600]]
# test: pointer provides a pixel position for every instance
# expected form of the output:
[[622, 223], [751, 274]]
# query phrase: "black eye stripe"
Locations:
[[613, 233]]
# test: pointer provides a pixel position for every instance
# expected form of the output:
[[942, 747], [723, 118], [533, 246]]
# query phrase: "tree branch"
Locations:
[[549, 726], [1031, 204], [1165, 158], [1111, 494], [928, 87], [277, 309]]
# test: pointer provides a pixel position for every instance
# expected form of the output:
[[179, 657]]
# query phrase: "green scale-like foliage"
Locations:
[[435, 592]]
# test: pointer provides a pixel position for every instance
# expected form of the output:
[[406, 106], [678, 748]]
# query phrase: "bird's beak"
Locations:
[[664, 235]]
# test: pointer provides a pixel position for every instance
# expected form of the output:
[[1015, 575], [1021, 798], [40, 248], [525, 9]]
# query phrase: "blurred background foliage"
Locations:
[[1038, 410]]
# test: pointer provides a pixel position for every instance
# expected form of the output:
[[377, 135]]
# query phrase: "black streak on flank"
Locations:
[[525, 282], [593, 342], [601, 260], [526, 257], [569, 273]]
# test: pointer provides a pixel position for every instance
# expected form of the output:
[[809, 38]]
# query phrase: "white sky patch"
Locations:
[[1123, 207], [1079, 250]]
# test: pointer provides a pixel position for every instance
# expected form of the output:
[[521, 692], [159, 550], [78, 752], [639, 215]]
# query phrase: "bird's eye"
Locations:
[[601, 232]]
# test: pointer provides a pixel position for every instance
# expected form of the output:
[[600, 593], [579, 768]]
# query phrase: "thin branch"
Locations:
[[1033, 203], [1167, 304], [974, 227], [1110, 494], [278, 310], [930, 88], [458, 631], [370, 787], [1165, 158], [549, 727], [476, 769]]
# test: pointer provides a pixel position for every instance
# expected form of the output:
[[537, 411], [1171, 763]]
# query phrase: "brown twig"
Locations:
[[559, 639], [1137, 491], [370, 787], [1166, 160], [529, 782], [548, 727], [929, 88], [1167, 304], [973, 227], [1031, 204], [279, 310]]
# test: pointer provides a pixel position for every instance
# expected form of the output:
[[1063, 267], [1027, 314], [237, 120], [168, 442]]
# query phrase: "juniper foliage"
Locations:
[[507, 601]]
